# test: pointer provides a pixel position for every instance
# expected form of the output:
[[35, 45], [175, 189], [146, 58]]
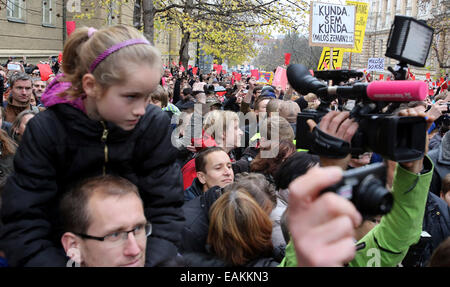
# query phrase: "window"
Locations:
[[47, 12], [16, 9]]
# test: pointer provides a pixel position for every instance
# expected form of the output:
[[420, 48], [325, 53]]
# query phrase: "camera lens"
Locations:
[[372, 198]]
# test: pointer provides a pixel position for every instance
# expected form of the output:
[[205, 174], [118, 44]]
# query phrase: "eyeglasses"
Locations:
[[141, 231]]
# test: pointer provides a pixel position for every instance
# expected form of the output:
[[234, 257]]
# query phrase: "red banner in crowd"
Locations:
[[70, 27], [255, 74], [381, 77], [218, 69], [195, 70], [280, 78], [45, 71], [287, 58]]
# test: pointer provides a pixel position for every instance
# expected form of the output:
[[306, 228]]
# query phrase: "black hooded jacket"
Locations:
[[195, 229], [62, 146]]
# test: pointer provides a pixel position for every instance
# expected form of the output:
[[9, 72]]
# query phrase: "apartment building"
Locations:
[[37, 29], [380, 19]]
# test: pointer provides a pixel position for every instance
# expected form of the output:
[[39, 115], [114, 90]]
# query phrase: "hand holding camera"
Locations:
[[322, 226]]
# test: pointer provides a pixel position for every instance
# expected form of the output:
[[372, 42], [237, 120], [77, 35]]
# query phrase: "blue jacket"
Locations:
[[193, 191]]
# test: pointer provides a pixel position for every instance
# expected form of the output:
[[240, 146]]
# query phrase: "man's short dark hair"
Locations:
[[73, 206], [19, 77], [200, 159], [187, 91]]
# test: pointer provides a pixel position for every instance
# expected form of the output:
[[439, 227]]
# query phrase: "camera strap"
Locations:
[[329, 146]]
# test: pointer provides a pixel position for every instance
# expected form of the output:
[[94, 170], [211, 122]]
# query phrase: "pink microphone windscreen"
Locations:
[[397, 91]]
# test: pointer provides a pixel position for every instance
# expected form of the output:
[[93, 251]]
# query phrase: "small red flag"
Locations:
[[70, 27], [45, 71], [255, 74], [287, 58]]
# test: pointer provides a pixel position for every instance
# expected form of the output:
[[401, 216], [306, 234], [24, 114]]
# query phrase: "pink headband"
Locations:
[[115, 48]]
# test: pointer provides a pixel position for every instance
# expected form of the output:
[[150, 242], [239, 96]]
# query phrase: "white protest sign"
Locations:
[[332, 25], [375, 64]]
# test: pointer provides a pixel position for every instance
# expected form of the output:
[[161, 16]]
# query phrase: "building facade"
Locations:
[[36, 29], [380, 18]]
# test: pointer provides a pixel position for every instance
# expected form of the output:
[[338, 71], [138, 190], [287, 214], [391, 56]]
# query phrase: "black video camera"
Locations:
[[338, 76], [397, 138], [365, 188]]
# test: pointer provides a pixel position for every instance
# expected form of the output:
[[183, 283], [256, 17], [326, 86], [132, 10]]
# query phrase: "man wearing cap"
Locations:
[[213, 104]]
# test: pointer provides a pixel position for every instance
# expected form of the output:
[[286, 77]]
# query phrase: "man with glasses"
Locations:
[[104, 223]]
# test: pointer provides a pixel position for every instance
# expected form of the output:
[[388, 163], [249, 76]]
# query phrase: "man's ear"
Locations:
[[71, 245], [90, 86], [201, 177]]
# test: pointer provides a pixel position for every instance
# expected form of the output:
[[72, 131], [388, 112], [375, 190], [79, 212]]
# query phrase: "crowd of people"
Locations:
[[117, 160]]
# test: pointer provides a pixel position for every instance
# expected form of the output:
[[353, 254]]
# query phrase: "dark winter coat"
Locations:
[[441, 160], [61, 146], [436, 223], [196, 225], [6, 168], [193, 191]]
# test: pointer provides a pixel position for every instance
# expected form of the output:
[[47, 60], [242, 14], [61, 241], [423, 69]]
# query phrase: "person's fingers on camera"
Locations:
[[330, 205], [326, 120], [345, 129], [350, 132], [408, 112], [312, 124], [336, 122], [311, 183]]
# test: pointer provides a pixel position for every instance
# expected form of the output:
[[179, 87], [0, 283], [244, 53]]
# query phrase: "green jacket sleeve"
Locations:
[[388, 243]]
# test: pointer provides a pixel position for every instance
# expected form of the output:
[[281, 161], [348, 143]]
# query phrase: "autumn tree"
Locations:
[[225, 28], [228, 28], [272, 53]]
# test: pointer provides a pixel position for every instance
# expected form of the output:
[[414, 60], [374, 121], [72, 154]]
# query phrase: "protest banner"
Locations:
[[332, 25], [375, 64], [254, 73], [362, 12], [280, 78], [45, 71], [324, 62], [265, 78]]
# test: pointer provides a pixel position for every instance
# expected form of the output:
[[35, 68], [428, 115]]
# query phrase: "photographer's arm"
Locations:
[[387, 243], [321, 226]]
